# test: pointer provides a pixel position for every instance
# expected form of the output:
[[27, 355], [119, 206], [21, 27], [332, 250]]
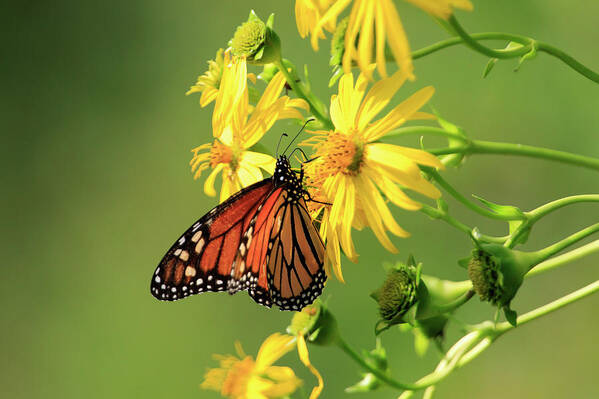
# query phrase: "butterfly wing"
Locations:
[[202, 258], [284, 252]]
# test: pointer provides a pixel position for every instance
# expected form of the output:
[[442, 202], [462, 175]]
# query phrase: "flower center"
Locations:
[[220, 153], [343, 154], [235, 384]]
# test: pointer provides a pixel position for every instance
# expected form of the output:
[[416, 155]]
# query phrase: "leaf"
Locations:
[[504, 210], [452, 159], [510, 315], [490, 64], [528, 56]]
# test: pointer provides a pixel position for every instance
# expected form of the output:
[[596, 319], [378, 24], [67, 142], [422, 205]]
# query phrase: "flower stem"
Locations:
[[563, 259], [528, 46], [502, 328], [536, 214], [316, 106], [551, 250], [438, 214], [469, 204], [489, 147]]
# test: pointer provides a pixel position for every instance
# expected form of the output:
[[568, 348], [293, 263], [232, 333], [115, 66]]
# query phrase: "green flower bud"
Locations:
[[257, 41], [316, 323], [497, 272], [397, 294]]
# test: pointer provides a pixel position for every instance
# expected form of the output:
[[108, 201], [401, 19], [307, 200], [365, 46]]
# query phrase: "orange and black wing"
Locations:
[[202, 258], [283, 253]]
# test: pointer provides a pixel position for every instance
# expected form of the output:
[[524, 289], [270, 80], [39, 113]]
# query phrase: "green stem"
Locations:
[[458, 40], [536, 214], [469, 204], [563, 259], [551, 250], [549, 207], [439, 214], [472, 43], [528, 46], [378, 373], [489, 147], [577, 295], [502, 328], [316, 106]]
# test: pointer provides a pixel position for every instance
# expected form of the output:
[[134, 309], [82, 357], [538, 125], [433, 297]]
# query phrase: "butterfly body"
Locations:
[[261, 240]]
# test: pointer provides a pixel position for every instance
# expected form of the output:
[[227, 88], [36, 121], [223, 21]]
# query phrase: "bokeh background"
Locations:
[[96, 139]]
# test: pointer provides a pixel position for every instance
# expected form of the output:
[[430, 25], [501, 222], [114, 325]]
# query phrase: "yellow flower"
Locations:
[[236, 130], [353, 171], [374, 24], [240, 377], [209, 82], [308, 13]]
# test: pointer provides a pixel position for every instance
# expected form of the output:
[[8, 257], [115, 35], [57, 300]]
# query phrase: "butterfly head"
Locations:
[[283, 172]]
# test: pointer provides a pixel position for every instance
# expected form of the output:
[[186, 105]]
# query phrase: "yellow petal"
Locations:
[[419, 156], [392, 192], [285, 382], [260, 160], [248, 174], [273, 347], [208, 95], [381, 59], [378, 97], [209, 183], [442, 8], [337, 116], [261, 122], [398, 115], [302, 350], [398, 42], [272, 92], [329, 17], [366, 37]]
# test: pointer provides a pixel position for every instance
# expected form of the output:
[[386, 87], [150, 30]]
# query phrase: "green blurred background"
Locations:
[[96, 142]]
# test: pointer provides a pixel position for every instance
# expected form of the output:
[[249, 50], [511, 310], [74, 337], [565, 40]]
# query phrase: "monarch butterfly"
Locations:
[[262, 239]]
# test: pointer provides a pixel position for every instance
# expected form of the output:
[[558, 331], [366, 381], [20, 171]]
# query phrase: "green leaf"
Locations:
[[452, 159], [510, 315], [504, 210], [528, 56], [490, 64]]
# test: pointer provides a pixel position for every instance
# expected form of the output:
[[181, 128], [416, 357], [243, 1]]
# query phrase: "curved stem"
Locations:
[[438, 214], [502, 328], [528, 46], [458, 40], [551, 250], [472, 43], [454, 193], [316, 106], [563, 259], [489, 147], [549, 207]]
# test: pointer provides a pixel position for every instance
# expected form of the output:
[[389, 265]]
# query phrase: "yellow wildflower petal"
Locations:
[[398, 115], [422, 116], [372, 214], [393, 192], [298, 103], [337, 116], [332, 246], [260, 160], [366, 37], [233, 88], [354, 25], [329, 17], [348, 217], [273, 347], [419, 156], [336, 190], [378, 97], [208, 95], [398, 42], [442, 8], [381, 59], [271, 93], [285, 382], [261, 122], [209, 183], [248, 174], [302, 350]]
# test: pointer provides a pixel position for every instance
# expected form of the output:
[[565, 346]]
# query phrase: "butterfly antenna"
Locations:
[[298, 133], [279, 144]]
